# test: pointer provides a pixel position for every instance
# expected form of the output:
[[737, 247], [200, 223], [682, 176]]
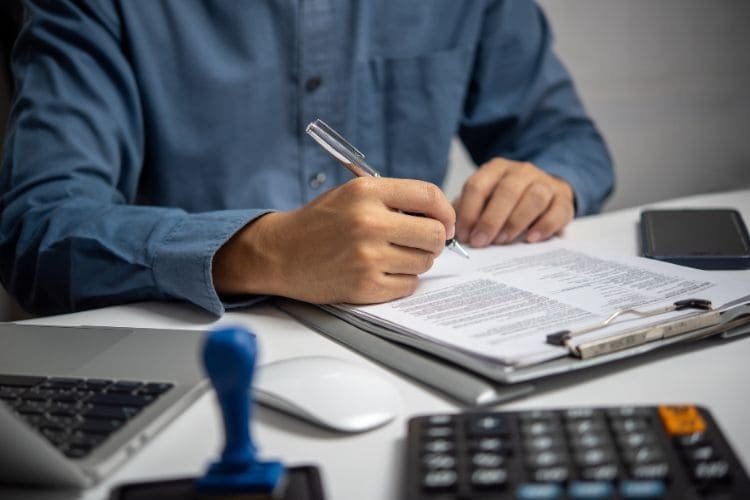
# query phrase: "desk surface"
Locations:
[[369, 466]]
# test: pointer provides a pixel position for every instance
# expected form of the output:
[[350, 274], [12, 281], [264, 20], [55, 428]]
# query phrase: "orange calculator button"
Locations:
[[680, 420]]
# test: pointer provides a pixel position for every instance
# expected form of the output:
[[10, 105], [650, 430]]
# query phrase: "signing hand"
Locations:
[[354, 243], [503, 198]]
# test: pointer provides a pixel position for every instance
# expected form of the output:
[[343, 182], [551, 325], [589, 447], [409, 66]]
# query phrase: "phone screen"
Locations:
[[708, 238]]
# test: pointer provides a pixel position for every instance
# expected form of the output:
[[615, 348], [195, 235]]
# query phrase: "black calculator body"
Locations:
[[650, 452]]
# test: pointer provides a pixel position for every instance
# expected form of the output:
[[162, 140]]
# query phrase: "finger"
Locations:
[[558, 215], [474, 197], [534, 201], [418, 197], [383, 288], [403, 260], [491, 224], [417, 232]]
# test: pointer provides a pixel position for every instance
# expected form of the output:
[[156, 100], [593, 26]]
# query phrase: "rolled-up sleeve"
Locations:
[[71, 233], [522, 105]]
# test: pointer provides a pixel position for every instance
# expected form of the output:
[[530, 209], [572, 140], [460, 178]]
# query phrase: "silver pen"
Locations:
[[351, 158]]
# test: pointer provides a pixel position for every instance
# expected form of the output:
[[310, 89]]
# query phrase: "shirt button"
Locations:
[[317, 180], [312, 83]]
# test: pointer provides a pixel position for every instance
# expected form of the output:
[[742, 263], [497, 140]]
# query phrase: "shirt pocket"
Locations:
[[408, 109]]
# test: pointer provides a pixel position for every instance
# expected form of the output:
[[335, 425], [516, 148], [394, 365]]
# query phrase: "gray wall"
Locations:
[[668, 82]]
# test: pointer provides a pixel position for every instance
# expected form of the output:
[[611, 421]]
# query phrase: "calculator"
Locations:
[[666, 452]]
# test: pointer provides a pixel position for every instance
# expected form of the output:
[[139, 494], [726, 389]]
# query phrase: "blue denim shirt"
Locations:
[[144, 134]]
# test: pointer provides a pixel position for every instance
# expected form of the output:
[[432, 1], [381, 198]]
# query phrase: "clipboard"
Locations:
[[466, 378]]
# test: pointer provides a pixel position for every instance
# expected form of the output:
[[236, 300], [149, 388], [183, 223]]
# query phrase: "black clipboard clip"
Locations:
[[638, 336]]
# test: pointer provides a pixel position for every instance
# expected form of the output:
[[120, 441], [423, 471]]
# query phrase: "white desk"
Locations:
[[369, 466]]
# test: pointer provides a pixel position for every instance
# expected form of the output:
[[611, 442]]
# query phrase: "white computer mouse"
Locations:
[[330, 392]]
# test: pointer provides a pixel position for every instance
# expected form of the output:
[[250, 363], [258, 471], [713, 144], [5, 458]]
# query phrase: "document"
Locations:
[[501, 304]]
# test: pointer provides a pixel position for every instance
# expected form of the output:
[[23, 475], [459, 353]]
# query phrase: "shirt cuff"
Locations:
[[182, 263]]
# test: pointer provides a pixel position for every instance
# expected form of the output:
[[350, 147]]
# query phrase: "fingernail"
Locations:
[[502, 238], [451, 233], [479, 239], [462, 235], [533, 236]]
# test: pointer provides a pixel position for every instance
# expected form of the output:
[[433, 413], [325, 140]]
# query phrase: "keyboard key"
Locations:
[[98, 426], [121, 399], [111, 412], [155, 388], [20, 380]]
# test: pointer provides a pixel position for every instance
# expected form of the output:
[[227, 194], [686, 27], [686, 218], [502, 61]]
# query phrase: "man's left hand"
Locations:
[[504, 198]]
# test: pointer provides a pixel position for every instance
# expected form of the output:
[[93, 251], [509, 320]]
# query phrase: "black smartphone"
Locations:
[[702, 238]]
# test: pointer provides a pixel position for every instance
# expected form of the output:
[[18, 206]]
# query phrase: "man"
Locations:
[[156, 150]]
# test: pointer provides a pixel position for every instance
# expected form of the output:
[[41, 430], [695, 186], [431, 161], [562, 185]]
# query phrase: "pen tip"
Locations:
[[452, 244]]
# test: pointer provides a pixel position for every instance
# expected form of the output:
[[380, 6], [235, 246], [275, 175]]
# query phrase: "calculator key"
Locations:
[[636, 439], [539, 491], [642, 490], [680, 420], [487, 460], [700, 453], [591, 440], [527, 416], [440, 420], [628, 412], [439, 480], [558, 474], [546, 459], [590, 490], [438, 432], [438, 446], [643, 455], [439, 461], [489, 478], [543, 443], [691, 440], [628, 425], [541, 428], [657, 470], [607, 472], [576, 413], [594, 456], [493, 444], [585, 426], [481, 425], [711, 471]]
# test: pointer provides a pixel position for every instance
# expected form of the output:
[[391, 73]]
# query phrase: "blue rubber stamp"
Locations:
[[229, 356]]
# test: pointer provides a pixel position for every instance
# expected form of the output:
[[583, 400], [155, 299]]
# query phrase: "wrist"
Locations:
[[248, 263]]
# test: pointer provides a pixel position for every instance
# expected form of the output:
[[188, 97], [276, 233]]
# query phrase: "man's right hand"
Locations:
[[356, 243]]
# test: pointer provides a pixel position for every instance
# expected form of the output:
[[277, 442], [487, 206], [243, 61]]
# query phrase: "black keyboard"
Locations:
[[75, 414], [621, 453]]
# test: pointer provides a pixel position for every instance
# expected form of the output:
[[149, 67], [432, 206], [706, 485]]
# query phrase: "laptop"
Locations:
[[75, 402]]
